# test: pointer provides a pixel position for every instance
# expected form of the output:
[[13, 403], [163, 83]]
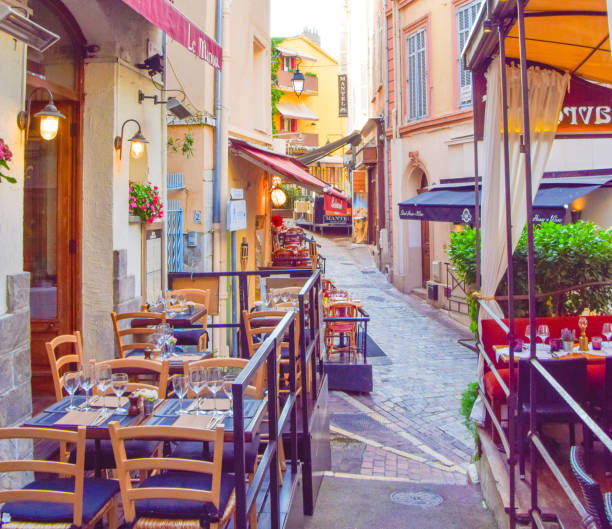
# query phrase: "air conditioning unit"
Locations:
[[436, 271]]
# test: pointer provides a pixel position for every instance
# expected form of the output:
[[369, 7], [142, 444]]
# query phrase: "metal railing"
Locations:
[[175, 181], [361, 323]]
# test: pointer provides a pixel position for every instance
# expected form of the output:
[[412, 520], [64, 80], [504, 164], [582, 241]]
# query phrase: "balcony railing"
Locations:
[[311, 83]]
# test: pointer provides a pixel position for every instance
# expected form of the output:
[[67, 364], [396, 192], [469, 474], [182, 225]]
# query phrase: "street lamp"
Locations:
[[298, 80]]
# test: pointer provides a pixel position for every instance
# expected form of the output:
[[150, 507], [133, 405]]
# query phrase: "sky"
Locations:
[[289, 17]]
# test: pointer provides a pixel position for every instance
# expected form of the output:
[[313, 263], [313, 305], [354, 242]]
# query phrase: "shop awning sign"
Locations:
[[177, 26]]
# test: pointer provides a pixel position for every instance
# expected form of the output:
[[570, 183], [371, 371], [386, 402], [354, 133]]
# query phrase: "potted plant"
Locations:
[[5, 156], [145, 202], [568, 338]]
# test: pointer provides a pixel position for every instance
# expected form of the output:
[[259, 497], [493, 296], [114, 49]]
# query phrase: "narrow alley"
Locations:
[[400, 455]]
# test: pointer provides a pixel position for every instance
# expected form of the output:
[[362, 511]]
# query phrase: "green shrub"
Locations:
[[468, 397]]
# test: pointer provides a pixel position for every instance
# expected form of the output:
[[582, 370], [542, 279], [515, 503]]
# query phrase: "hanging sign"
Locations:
[[236, 215], [342, 96], [587, 109], [177, 26], [334, 205]]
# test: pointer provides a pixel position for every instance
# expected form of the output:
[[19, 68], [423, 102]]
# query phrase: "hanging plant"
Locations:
[[182, 145], [145, 202], [5, 156]]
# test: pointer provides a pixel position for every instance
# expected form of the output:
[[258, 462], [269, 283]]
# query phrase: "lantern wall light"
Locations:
[[137, 141], [49, 116], [298, 80]]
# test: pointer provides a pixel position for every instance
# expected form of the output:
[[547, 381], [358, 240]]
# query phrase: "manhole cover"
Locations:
[[423, 499]]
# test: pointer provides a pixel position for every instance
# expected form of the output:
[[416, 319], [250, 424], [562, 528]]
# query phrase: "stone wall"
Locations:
[[15, 371]]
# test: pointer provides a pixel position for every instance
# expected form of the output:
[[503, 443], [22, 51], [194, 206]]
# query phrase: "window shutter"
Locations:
[[417, 75], [465, 20]]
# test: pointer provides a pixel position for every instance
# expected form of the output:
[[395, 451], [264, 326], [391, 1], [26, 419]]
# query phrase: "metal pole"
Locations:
[[476, 200], [526, 149], [510, 279], [218, 109], [234, 298]]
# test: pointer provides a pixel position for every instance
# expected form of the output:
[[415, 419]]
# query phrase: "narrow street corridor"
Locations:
[[400, 455]]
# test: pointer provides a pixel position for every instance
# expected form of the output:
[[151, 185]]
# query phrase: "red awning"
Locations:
[[285, 166], [177, 26]]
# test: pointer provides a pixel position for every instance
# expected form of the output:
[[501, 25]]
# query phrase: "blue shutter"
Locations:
[[417, 75], [466, 17], [175, 236]]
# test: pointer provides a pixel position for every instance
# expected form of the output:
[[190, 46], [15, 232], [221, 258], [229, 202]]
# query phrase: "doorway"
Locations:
[[425, 247], [52, 195]]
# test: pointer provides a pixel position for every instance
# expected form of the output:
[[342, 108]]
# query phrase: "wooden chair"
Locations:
[[341, 330], [59, 502], [180, 492], [199, 335], [58, 363], [139, 368], [136, 346]]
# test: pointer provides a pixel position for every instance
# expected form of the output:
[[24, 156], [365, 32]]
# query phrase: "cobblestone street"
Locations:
[[408, 430]]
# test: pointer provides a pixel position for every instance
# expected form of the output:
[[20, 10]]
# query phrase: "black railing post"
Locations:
[[239, 464], [293, 346], [273, 435]]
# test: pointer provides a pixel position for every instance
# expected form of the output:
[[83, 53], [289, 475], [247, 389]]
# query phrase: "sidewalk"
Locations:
[[407, 436]]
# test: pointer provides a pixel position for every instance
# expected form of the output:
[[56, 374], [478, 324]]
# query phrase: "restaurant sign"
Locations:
[[465, 215], [334, 205], [342, 96], [177, 26], [335, 219], [587, 109]]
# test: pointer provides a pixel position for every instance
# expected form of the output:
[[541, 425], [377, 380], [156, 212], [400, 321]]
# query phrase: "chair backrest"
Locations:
[[199, 296], [252, 330], [160, 464], [138, 367], [343, 309], [137, 334], [58, 363], [591, 492], [255, 390], [570, 373], [327, 284], [59, 469]]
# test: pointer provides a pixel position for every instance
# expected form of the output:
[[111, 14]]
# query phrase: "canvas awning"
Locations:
[[292, 53], [177, 26], [455, 202], [288, 110], [568, 35], [282, 165]]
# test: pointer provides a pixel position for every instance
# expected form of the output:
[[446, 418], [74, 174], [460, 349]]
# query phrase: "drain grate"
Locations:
[[422, 498]]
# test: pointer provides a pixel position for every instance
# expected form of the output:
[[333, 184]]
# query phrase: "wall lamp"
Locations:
[[137, 141], [49, 116], [488, 25], [173, 105]]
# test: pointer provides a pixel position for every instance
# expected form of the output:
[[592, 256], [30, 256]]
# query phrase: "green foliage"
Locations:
[[462, 253], [292, 193], [182, 145], [565, 256], [310, 74], [275, 92], [468, 397]]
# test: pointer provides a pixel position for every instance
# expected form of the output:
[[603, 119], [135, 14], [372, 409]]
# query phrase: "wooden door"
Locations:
[[50, 241], [372, 213], [425, 247]]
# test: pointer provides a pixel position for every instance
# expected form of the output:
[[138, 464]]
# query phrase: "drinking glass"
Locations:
[[88, 379], [103, 380], [119, 383], [607, 332], [180, 383], [214, 380], [275, 299], [182, 299], [172, 299], [285, 297], [228, 380], [543, 332], [71, 382], [197, 379], [527, 335]]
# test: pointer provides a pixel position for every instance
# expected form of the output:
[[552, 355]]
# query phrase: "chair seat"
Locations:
[[184, 509], [188, 336], [492, 387], [107, 457], [550, 412], [96, 493], [196, 450]]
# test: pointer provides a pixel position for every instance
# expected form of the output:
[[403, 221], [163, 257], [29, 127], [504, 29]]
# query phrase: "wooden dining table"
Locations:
[[164, 413], [176, 317]]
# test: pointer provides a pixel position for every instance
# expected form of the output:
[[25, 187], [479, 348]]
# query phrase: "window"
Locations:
[[288, 125], [466, 16], [416, 55], [288, 63]]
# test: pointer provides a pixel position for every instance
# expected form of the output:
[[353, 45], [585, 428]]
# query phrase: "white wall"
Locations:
[[12, 90]]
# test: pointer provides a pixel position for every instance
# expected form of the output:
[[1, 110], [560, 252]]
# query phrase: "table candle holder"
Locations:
[[596, 342], [583, 340]]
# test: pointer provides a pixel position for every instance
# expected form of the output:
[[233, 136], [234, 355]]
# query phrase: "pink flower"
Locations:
[[155, 187]]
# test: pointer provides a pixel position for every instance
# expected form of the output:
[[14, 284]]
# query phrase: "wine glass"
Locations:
[[88, 379], [182, 299], [180, 383], [214, 380], [119, 383], [71, 382], [171, 299], [228, 380], [103, 380], [543, 332], [527, 335], [197, 379], [607, 332], [285, 297]]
